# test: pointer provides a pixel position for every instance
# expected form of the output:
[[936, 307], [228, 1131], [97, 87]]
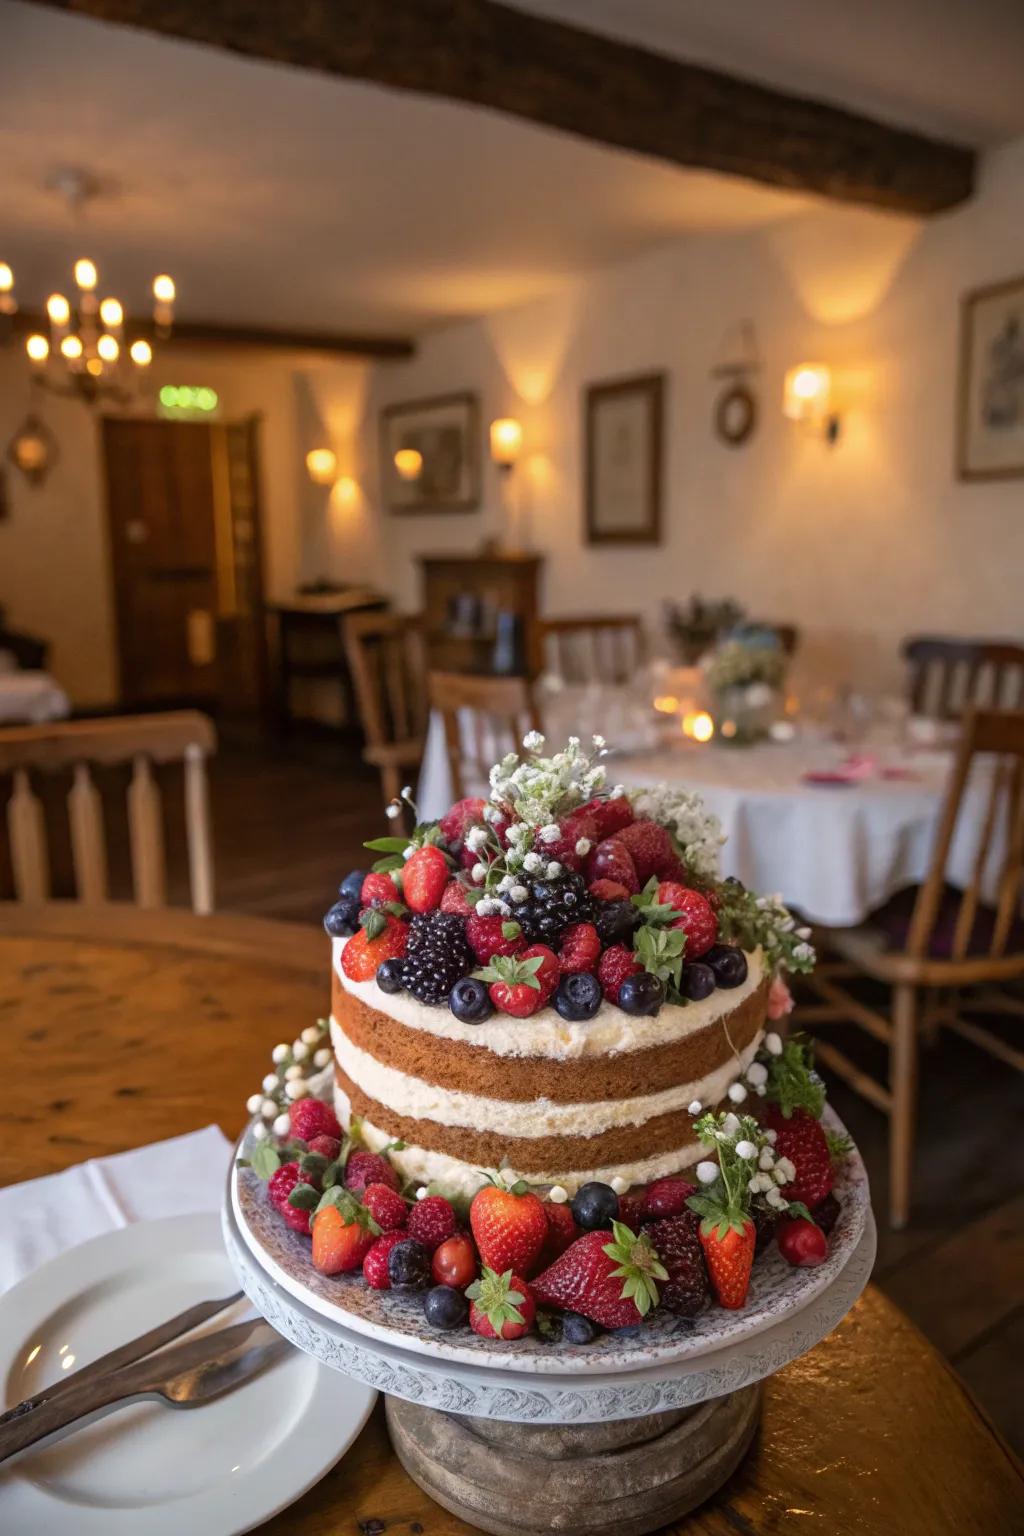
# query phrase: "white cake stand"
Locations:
[[628, 1436]]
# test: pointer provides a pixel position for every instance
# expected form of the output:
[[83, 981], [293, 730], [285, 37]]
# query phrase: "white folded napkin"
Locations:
[[43, 1217]]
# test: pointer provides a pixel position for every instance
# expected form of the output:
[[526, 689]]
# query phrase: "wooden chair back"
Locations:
[[484, 717], [997, 738], [948, 676], [593, 648], [386, 659], [141, 740]]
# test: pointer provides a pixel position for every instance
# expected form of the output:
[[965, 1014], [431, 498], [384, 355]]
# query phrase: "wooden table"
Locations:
[[122, 1027]]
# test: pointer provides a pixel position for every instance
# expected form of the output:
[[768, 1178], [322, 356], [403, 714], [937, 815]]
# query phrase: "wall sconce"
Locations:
[[322, 465], [506, 441], [409, 463], [33, 450], [806, 398]]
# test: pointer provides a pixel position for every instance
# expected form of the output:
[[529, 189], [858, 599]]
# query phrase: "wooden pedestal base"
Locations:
[[625, 1476]]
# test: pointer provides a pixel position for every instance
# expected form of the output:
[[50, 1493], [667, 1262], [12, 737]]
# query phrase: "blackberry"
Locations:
[[437, 956], [765, 1222], [826, 1213], [616, 922], [686, 1291], [552, 906]]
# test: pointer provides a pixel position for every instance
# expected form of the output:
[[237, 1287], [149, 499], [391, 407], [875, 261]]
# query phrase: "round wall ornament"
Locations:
[[736, 413]]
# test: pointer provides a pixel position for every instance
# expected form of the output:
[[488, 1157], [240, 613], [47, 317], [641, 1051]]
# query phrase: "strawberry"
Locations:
[[494, 936], [614, 966], [561, 1232], [299, 1218], [802, 1139], [372, 944], [377, 890], [609, 816], [650, 848], [608, 1276], [729, 1251], [424, 878], [502, 1306], [509, 1226], [581, 948], [310, 1118], [574, 829], [696, 918], [454, 1262], [325, 1146], [667, 1197], [457, 822], [802, 1243], [548, 972], [514, 984], [431, 1221], [364, 1168], [612, 860], [281, 1184], [686, 1291], [608, 890], [343, 1234], [386, 1206], [453, 899], [375, 1265]]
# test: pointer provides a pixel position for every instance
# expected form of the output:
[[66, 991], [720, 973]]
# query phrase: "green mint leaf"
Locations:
[[387, 844], [510, 930], [265, 1160], [303, 1197], [373, 923], [388, 864]]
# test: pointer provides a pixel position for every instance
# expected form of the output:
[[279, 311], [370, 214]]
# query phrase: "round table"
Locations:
[[123, 1027]]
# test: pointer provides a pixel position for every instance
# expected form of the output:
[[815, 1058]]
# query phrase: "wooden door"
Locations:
[[184, 532]]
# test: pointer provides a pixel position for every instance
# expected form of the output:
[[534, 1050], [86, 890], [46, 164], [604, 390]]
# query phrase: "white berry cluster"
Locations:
[[756, 1074], [294, 1066], [698, 833]]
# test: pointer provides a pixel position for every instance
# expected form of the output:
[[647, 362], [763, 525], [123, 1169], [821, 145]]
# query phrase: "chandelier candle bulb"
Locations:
[[163, 289], [8, 303], [86, 275], [141, 353], [59, 311], [112, 314], [108, 348], [71, 348], [38, 349]]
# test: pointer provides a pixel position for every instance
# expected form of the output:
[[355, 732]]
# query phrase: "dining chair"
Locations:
[[385, 654], [948, 675], [26, 752], [593, 648], [944, 953], [484, 717]]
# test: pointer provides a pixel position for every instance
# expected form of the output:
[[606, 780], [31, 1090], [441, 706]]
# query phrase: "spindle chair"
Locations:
[[948, 675], [484, 717], [955, 954], [386, 659], [593, 648], [27, 752]]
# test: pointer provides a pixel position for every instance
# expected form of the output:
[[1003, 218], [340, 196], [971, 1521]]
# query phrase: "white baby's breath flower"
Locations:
[[270, 1082], [619, 1184], [803, 952], [557, 1195], [767, 1158], [422, 1192], [737, 1093], [486, 907], [476, 838], [551, 833], [260, 1131], [310, 1035], [707, 1172], [300, 1050], [779, 1174], [617, 792], [292, 1074], [322, 1057], [599, 742], [694, 1107], [533, 741], [746, 1150], [253, 1102], [554, 869], [296, 1089], [757, 1073], [532, 862], [268, 1109], [392, 811], [282, 1125], [772, 1136], [406, 791], [731, 1124], [479, 871], [775, 1198], [788, 1168], [583, 846], [803, 933], [773, 1043], [279, 1053], [519, 893]]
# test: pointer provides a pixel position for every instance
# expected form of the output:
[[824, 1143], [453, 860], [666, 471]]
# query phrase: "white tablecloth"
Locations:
[[31, 698], [835, 852]]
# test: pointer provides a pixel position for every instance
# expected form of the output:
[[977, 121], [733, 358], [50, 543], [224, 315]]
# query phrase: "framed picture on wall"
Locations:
[[990, 439], [430, 454], [622, 475]]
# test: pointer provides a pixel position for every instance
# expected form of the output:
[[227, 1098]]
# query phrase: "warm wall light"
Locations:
[[807, 397], [33, 450], [506, 441], [322, 465], [345, 492], [409, 463]]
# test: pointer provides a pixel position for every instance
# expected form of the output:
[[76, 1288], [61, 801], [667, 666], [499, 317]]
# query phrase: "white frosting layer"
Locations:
[[546, 1033], [419, 1166], [420, 1100]]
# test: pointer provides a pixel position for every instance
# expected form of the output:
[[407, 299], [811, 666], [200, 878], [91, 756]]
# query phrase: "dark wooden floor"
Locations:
[[289, 824]]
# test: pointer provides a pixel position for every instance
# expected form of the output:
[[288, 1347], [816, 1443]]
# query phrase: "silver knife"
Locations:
[[189, 1374]]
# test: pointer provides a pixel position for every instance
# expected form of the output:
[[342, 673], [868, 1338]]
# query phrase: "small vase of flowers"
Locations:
[[744, 674]]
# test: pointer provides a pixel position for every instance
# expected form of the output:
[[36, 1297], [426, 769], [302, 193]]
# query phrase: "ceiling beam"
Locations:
[[229, 338], [562, 77]]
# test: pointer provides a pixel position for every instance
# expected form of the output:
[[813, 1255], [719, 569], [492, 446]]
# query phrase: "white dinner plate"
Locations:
[[152, 1470]]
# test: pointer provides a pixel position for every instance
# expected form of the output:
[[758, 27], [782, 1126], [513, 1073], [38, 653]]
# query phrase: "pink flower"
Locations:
[[780, 999]]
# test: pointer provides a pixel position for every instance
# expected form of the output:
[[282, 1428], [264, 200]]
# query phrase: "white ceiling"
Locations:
[[291, 199], [952, 68]]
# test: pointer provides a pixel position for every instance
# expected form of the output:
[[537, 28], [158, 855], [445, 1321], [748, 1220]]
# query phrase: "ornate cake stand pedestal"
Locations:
[[624, 1439]]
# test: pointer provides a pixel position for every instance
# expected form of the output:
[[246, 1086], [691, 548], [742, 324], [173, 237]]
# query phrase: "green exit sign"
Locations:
[[188, 397]]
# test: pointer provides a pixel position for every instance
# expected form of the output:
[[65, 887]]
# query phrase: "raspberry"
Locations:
[[548, 974], [375, 1265], [614, 966], [667, 1197], [457, 822], [609, 816], [386, 1206], [282, 1183], [432, 1221], [299, 1221], [650, 848], [581, 948], [365, 1168], [378, 888], [327, 1146], [453, 899], [486, 937], [311, 1117]]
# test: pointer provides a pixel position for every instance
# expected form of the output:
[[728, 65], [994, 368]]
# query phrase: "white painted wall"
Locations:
[[858, 544]]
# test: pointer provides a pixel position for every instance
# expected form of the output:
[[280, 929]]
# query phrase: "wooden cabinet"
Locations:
[[481, 612]]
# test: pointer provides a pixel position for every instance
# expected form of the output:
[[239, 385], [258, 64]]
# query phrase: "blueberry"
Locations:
[[595, 1206], [409, 1266], [642, 994], [469, 1001], [391, 976], [444, 1306], [352, 884], [343, 918], [577, 1329], [728, 963], [578, 996], [616, 922], [698, 981]]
